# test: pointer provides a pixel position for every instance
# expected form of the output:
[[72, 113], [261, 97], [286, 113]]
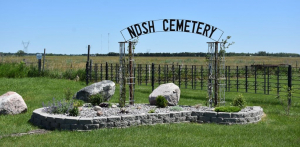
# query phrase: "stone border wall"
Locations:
[[60, 122]]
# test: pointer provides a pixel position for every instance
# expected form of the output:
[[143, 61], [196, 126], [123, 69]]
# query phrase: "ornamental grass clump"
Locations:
[[161, 101]]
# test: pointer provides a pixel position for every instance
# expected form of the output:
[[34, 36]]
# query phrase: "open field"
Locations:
[[66, 62], [276, 129]]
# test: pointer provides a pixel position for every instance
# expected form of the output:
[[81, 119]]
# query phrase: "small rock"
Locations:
[[103, 105], [139, 107], [87, 105], [97, 108], [114, 106], [80, 108], [99, 113]]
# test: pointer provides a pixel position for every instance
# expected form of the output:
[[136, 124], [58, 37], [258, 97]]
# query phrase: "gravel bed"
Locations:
[[136, 109]]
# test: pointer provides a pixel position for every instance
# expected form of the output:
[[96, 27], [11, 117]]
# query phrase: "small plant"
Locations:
[[152, 111], [228, 109], [96, 99], [74, 111], [58, 107], [239, 101], [176, 108], [78, 103], [161, 101], [68, 94]]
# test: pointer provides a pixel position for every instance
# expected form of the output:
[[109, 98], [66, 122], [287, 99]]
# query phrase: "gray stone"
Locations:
[[12, 103], [170, 91], [238, 115], [224, 114], [121, 124], [197, 113], [113, 118], [76, 127], [210, 114], [90, 126], [175, 114], [105, 88], [85, 121], [71, 120], [204, 118], [98, 120], [97, 108], [216, 119], [128, 117], [192, 118], [65, 126]]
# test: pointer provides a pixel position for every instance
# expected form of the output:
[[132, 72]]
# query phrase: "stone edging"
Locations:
[[51, 122]]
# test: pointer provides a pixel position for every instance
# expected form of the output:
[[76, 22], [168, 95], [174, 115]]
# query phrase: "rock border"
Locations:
[[52, 122]]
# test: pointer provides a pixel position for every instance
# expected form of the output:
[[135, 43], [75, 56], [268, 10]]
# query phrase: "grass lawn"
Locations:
[[276, 129]]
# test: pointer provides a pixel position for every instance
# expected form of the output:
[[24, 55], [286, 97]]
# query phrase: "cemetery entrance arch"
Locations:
[[216, 66]]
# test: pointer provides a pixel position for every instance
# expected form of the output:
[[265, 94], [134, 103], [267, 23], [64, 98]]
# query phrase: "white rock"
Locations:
[[97, 108], [12, 103], [170, 91], [114, 106], [105, 88]]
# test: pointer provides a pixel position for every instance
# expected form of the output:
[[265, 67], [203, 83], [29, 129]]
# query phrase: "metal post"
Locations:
[[90, 72], [152, 79], [101, 72], [87, 73], [216, 88], [268, 80], [44, 59], [39, 65], [246, 83], [131, 75], [146, 74], [201, 77], [192, 76], [173, 73], [289, 88], [95, 70], [195, 75], [237, 78], [265, 80], [179, 78], [106, 71], [159, 74]]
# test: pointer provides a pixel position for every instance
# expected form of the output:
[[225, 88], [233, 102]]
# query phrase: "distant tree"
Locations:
[[20, 53]]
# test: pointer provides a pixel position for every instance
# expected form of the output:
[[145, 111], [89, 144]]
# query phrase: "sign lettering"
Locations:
[[172, 25]]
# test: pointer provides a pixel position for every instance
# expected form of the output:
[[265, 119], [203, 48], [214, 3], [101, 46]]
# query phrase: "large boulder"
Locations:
[[12, 103], [170, 91], [106, 88]]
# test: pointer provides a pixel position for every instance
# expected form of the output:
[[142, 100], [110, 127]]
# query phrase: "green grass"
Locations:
[[276, 129]]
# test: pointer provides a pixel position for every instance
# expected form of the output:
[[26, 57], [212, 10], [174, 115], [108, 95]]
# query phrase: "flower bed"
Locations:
[[61, 122]]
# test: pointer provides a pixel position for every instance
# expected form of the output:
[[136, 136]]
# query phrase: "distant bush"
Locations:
[[161, 101], [228, 109]]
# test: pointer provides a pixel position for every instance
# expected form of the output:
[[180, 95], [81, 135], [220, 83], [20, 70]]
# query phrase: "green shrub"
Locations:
[[161, 101], [96, 99], [176, 108], [78, 103], [239, 101], [74, 111], [228, 109]]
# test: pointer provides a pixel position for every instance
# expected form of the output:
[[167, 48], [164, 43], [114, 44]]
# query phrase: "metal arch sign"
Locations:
[[172, 25]]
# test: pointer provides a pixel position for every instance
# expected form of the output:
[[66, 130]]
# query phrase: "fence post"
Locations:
[[246, 83], [159, 74], [179, 75], [265, 80], [101, 72], [39, 65], [268, 80], [95, 70], [167, 74], [152, 83], [186, 76], [106, 71], [146, 74], [278, 72], [195, 76], [289, 87], [111, 73], [237, 78], [91, 63], [255, 78], [225, 78], [173, 71], [87, 73], [192, 76], [229, 78]]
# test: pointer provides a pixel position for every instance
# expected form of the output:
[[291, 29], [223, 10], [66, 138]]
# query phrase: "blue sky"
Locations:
[[68, 26]]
